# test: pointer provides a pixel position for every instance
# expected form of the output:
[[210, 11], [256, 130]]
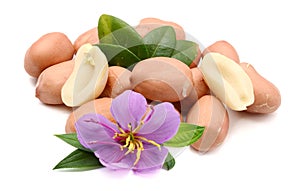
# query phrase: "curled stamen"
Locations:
[[120, 129], [132, 141], [138, 127], [138, 156], [127, 142], [149, 141]]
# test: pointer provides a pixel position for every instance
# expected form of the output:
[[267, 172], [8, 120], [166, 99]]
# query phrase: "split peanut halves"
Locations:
[[88, 78], [228, 81]]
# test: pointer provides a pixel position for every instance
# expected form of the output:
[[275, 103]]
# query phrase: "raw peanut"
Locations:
[[209, 112], [228, 81], [162, 79], [118, 81], [88, 78], [50, 49], [267, 97], [224, 48], [90, 36], [148, 24], [199, 89], [99, 106], [199, 84], [196, 61], [51, 81]]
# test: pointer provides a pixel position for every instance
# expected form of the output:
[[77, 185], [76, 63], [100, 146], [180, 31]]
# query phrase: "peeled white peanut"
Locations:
[[148, 24], [118, 81], [88, 78], [209, 112], [162, 79], [228, 81], [51, 81], [267, 97]]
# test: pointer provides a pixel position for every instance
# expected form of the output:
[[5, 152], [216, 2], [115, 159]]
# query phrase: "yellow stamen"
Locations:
[[127, 142], [140, 145], [131, 148], [138, 127], [138, 156], [133, 142], [149, 141], [120, 129]]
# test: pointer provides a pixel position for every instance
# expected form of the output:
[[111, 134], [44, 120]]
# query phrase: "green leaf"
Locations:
[[161, 41], [169, 162], [118, 55], [185, 51], [79, 159], [112, 30], [71, 138], [186, 135]]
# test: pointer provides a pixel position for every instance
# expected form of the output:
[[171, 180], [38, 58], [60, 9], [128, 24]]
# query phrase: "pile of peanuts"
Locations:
[[51, 60]]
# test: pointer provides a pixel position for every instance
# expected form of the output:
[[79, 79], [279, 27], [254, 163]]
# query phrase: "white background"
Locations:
[[261, 152]]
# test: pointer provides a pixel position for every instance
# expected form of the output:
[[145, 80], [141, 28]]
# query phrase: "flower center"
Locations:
[[132, 141]]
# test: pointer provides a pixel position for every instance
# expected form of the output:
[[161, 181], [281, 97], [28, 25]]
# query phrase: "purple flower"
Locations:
[[135, 141]]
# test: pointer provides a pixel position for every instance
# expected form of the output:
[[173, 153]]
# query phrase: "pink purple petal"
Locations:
[[92, 129], [110, 155], [151, 159], [128, 108], [126, 162], [163, 124], [156, 118]]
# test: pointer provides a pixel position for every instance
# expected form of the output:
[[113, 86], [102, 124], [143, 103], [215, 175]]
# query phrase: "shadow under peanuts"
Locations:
[[243, 119]]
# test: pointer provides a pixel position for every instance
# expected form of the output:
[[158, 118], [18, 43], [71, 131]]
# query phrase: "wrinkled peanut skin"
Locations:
[[48, 50], [223, 47], [98, 106], [51, 81], [117, 82], [267, 98], [162, 79], [148, 24], [90, 36], [209, 112]]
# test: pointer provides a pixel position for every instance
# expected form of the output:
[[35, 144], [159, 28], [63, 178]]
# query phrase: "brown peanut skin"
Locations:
[[99, 106], [209, 112], [267, 98], [48, 50], [196, 61], [90, 36], [51, 81], [199, 89], [223, 47], [162, 79], [117, 82], [148, 24]]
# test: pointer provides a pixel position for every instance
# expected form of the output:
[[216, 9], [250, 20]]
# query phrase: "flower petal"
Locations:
[[94, 128], [110, 155], [128, 108], [151, 159], [163, 124], [126, 162]]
